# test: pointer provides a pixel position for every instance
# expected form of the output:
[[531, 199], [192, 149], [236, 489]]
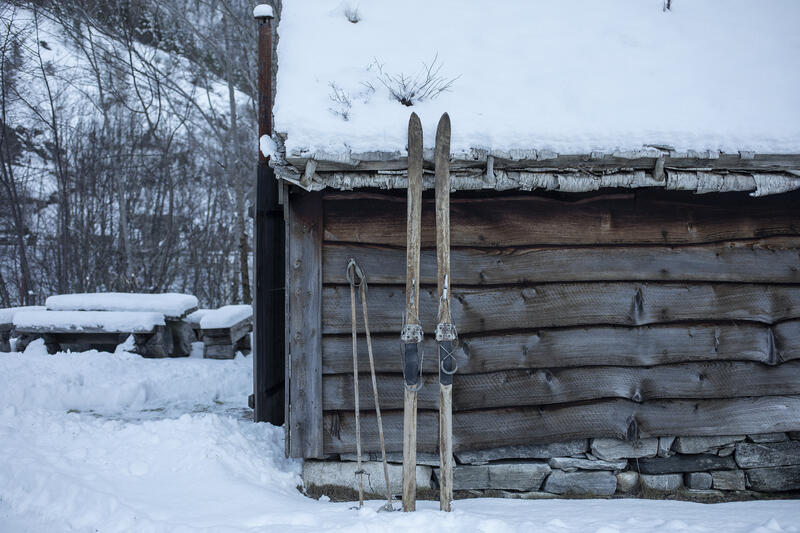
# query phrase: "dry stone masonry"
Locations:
[[724, 467]]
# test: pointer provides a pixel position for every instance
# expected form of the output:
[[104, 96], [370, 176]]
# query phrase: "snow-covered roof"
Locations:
[[540, 79]]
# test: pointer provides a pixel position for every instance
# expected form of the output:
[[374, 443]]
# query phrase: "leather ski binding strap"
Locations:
[[359, 275], [411, 333], [447, 358], [446, 332]]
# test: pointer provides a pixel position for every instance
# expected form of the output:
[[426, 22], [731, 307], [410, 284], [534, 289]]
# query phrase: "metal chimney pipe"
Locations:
[[268, 352], [263, 14]]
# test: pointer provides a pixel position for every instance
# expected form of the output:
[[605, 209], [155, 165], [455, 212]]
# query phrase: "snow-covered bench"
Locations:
[[102, 330], [103, 320], [7, 324], [226, 331]]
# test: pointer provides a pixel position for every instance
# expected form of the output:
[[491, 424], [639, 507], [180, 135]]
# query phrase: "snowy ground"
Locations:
[[114, 442]]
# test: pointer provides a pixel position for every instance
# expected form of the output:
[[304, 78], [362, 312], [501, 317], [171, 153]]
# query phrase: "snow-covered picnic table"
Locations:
[[104, 320], [172, 306]]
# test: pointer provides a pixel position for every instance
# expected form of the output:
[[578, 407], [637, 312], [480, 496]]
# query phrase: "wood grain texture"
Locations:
[[616, 418], [443, 284], [219, 351], [232, 333], [566, 385], [442, 257], [411, 315], [536, 221], [586, 346], [558, 305], [304, 292], [413, 218], [409, 448], [446, 460], [775, 260]]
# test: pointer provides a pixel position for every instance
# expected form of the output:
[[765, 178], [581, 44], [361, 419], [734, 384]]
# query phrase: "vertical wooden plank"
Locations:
[[304, 290]]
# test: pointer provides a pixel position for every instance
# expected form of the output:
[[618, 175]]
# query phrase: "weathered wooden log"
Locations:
[[244, 344], [763, 261], [534, 220], [211, 341], [558, 304], [618, 418], [565, 385], [229, 335], [182, 337], [97, 338], [593, 346], [303, 331], [219, 351], [524, 452], [157, 344]]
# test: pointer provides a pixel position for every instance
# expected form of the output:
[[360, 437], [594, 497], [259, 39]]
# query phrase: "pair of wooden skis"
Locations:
[[411, 336]]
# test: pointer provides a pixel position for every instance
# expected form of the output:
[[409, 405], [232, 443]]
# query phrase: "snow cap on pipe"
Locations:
[[263, 11]]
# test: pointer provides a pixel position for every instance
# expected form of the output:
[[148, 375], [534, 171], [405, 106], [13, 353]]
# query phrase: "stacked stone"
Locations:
[[700, 467]]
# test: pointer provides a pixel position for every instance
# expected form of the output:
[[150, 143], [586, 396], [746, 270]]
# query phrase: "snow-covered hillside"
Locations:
[[125, 160], [117, 443], [572, 76]]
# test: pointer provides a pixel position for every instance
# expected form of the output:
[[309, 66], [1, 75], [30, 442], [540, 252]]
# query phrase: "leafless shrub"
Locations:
[[426, 84], [366, 94], [352, 14], [342, 103]]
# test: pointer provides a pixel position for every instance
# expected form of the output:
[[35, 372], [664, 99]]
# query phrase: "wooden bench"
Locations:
[[226, 331], [7, 325], [102, 330], [177, 337]]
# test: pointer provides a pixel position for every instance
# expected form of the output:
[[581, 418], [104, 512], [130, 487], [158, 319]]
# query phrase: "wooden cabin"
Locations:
[[628, 316]]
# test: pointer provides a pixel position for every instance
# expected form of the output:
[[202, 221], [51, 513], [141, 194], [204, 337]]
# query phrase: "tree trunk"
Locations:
[[124, 237]]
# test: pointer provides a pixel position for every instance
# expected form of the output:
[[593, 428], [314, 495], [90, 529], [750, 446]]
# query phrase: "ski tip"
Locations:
[[444, 123], [414, 121]]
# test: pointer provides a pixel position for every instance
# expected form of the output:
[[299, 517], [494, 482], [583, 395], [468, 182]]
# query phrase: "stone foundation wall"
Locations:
[[702, 468]]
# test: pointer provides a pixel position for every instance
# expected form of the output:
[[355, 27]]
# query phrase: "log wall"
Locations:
[[609, 315]]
